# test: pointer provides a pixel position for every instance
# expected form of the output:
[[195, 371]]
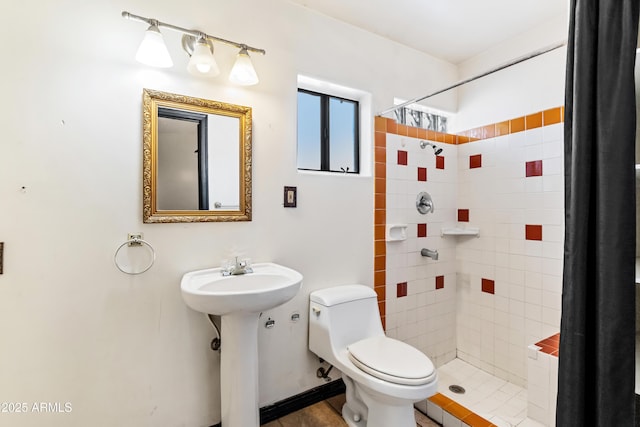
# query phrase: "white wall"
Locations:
[[531, 86], [125, 350]]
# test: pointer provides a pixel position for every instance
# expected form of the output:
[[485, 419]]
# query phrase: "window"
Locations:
[[328, 133]]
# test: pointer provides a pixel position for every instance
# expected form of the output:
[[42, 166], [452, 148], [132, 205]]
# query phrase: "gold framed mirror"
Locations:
[[196, 159]]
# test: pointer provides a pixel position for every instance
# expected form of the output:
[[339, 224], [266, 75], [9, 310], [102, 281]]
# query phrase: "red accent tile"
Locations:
[[422, 230], [439, 162], [402, 157], [475, 161], [422, 174], [533, 232], [439, 282], [401, 290], [534, 168], [488, 286], [463, 215]]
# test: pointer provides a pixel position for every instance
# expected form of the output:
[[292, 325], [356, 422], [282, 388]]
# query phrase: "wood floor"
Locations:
[[327, 414]]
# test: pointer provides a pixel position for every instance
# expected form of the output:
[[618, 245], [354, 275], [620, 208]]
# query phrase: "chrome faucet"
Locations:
[[429, 253], [240, 267]]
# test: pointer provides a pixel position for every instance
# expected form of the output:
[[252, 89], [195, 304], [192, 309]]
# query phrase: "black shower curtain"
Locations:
[[597, 334]]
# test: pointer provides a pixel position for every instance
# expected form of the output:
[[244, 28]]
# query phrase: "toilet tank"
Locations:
[[340, 316]]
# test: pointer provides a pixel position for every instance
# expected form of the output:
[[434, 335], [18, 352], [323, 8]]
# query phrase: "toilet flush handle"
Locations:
[[315, 311]]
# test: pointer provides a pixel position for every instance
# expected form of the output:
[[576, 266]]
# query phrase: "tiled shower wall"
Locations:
[[421, 292], [511, 187], [487, 297]]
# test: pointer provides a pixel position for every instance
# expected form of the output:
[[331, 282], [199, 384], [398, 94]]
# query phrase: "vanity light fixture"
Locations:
[[199, 46]]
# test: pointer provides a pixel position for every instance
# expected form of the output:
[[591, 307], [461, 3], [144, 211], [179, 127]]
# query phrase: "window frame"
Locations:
[[325, 131]]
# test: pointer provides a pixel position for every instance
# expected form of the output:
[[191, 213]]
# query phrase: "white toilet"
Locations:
[[384, 376]]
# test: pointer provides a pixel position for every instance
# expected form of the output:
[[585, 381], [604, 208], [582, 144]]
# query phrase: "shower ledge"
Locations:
[[457, 231]]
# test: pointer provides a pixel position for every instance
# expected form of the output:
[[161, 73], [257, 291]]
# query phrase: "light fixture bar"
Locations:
[[194, 33]]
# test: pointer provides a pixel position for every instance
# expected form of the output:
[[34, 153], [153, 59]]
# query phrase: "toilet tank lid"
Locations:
[[341, 294]]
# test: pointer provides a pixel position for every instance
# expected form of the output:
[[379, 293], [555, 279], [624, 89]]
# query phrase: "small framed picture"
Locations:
[[290, 197]]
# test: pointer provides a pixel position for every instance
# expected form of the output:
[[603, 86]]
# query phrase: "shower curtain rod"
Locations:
[[518, 60]]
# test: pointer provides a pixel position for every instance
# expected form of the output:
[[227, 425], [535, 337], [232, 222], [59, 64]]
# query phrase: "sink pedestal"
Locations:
[[239, 370], [239, 300]]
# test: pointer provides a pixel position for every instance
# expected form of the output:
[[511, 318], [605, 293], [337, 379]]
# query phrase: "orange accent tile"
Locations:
[[503, 128], [380, 201], [463, 139], [380, 262], [392, 126], [379, 278], [439, 137], [490, 131], [412, 132], [379, 248], [381, 170], [380, 217], [422, 133], [551, 116], [533, 121], [431, 135], [380, 154], [441, 400], [516, 125], [533, 232], [562, 113], [381, 185], [403, 130], [449, 138], [380, 124], [475, 420], [379, 232], [457, 410], [381, 139], [383, 319], [381, 292]]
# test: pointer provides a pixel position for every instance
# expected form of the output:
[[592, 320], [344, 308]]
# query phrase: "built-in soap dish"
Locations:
[[396, 232]]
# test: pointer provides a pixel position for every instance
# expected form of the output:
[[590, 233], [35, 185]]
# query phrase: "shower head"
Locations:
[[436, 150]]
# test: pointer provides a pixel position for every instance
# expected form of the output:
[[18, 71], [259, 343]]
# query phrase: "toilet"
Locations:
[[384, 377]]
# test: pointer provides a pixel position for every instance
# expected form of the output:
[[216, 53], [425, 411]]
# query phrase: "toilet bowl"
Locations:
[[384, 377]]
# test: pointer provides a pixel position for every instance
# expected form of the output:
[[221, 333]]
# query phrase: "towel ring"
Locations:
[[135, 242]]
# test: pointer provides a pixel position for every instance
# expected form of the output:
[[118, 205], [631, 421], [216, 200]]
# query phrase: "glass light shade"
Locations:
[[243, 72], [202, 62], [153, 51]]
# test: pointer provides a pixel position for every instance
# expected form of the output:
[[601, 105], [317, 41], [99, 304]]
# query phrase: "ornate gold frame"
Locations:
[[152, 99]]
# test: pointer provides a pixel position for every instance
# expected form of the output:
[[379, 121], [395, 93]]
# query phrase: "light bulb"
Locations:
[[152, 50], [243, 72], [202, 62]]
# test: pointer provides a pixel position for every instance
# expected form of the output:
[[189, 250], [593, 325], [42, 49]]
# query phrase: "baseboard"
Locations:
[[300, 401]]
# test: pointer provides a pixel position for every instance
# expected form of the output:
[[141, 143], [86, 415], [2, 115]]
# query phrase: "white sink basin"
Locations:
[[239, 300], [269, 286]]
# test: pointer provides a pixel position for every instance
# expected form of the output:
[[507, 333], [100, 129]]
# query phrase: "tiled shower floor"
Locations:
[[501, 402]]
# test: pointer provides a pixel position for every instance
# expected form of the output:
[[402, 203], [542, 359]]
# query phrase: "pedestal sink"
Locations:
[[239, 300]]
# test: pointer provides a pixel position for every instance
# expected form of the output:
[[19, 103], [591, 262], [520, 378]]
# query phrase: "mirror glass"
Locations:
[[197, 159]]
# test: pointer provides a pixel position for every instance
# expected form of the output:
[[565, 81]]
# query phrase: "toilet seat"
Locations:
[[392, 360]]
